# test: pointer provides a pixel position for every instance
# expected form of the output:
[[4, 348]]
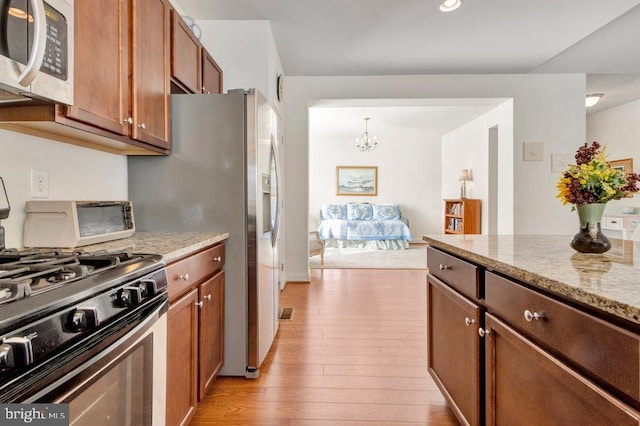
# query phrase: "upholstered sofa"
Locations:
[[364, 224]]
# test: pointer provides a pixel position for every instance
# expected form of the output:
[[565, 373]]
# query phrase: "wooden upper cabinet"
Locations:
[[193, 69], [211, 74], [150, 80], [186, 68], [102, 90]]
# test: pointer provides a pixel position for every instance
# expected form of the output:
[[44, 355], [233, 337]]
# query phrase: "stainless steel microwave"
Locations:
[[63, 224], [36, 50]]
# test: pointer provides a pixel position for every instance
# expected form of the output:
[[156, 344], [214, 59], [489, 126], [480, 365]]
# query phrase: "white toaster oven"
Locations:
[[68, 224]]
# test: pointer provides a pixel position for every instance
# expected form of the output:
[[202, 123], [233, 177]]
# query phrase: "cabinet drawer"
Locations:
[[630, 222], [186, 272], [461, 275], [613, 222], [603, 350]]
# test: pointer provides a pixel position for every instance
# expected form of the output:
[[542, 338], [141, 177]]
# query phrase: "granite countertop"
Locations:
[[609, 282], [171, 245]]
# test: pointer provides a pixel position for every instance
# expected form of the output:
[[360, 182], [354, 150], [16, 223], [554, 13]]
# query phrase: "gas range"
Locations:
[[56, 306]]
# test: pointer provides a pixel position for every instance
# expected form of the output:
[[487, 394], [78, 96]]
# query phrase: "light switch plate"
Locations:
[[532, 151]]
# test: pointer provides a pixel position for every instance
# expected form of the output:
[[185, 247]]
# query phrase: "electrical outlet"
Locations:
[[39, 183]]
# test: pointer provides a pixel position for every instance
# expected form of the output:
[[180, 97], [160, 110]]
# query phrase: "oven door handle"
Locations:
[[39, 44]]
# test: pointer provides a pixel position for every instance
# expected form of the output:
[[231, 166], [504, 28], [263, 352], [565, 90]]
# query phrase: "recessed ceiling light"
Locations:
[[592, 99], [450, 5]]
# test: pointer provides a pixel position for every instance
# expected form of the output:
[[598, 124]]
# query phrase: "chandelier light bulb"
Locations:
[[366, 142]]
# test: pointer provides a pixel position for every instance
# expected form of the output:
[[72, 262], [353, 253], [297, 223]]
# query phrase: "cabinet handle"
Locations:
[[444, 267], [483, 332], [468, 321], [199, 304], [128, 120], [530, 316], [217, 259], [184, 277], [208, 297], [142, 126]]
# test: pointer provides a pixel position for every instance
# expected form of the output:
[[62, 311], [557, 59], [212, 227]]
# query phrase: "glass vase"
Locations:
[[590, 239]]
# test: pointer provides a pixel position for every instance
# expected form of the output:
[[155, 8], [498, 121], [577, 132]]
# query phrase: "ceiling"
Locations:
[[400, 37]]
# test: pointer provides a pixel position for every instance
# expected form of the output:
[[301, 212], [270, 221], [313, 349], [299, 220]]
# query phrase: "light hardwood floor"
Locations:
[[354, 353]]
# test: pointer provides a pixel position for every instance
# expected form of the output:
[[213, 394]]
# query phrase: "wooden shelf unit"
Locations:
[[462, 216]]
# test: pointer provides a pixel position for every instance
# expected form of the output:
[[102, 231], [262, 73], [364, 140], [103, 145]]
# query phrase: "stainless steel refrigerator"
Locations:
[[222, 175]]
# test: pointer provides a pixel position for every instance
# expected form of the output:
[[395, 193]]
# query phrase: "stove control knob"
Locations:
[[149, 287], [16, 352], [82, 319], [129, 296]]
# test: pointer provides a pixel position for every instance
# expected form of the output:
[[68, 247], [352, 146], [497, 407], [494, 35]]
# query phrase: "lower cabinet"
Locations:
[[182, 359], [454, 349], [528, 386], [514, 356], [211, 333], [195, 331]]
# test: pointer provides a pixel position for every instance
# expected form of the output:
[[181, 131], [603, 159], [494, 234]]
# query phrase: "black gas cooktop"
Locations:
[[26, 273]]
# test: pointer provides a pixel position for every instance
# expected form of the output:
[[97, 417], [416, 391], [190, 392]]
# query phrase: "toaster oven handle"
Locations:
[[39, 43]]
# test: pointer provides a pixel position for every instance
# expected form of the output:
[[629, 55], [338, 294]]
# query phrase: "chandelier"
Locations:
[[366, 142]]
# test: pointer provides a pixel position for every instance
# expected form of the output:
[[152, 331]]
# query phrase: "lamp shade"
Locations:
[[465, 175]]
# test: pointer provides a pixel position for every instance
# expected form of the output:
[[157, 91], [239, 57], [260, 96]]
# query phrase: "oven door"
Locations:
[[124, 384]]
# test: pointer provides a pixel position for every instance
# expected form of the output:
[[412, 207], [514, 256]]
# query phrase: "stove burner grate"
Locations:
[[24, 273]]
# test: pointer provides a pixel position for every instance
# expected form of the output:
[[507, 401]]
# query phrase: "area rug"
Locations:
[[363, 258]]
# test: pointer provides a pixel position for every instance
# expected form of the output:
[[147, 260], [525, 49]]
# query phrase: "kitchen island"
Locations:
[[524, 330]]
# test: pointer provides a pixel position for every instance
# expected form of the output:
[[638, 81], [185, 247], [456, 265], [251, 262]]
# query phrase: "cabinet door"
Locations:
[[211, 343], [185, 55], [102, 96], [182, 343], [527, 386], [150, 72], [454, 349], [211, 74]]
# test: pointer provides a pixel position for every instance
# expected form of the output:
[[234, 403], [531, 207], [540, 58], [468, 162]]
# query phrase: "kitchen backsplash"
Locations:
[[74, 173]]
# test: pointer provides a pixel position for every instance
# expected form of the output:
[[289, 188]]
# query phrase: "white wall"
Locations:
[[408, 161], [75, 173], [619, 129], [246, 52], [547, 108], [468, 148]]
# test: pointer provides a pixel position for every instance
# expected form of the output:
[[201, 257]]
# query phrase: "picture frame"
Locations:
[[357, 180], [626, 165]]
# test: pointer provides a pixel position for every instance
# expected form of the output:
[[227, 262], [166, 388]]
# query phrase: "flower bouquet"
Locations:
[[588, 186]]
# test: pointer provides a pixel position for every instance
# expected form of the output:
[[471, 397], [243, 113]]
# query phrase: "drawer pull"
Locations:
[[482, 332], [208, 297], [184, 277], [218, 259], [531, 316], [199, 304], [468, 321], [444, 267]]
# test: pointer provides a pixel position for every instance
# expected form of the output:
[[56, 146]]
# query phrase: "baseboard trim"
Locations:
[[298, 278]]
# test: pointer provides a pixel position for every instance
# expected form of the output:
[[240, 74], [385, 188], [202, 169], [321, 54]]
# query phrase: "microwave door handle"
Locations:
[[39, 44]]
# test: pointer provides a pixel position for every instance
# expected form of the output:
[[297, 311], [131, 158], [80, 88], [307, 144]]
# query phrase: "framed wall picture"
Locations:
[[357, 180], [626, 165]]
